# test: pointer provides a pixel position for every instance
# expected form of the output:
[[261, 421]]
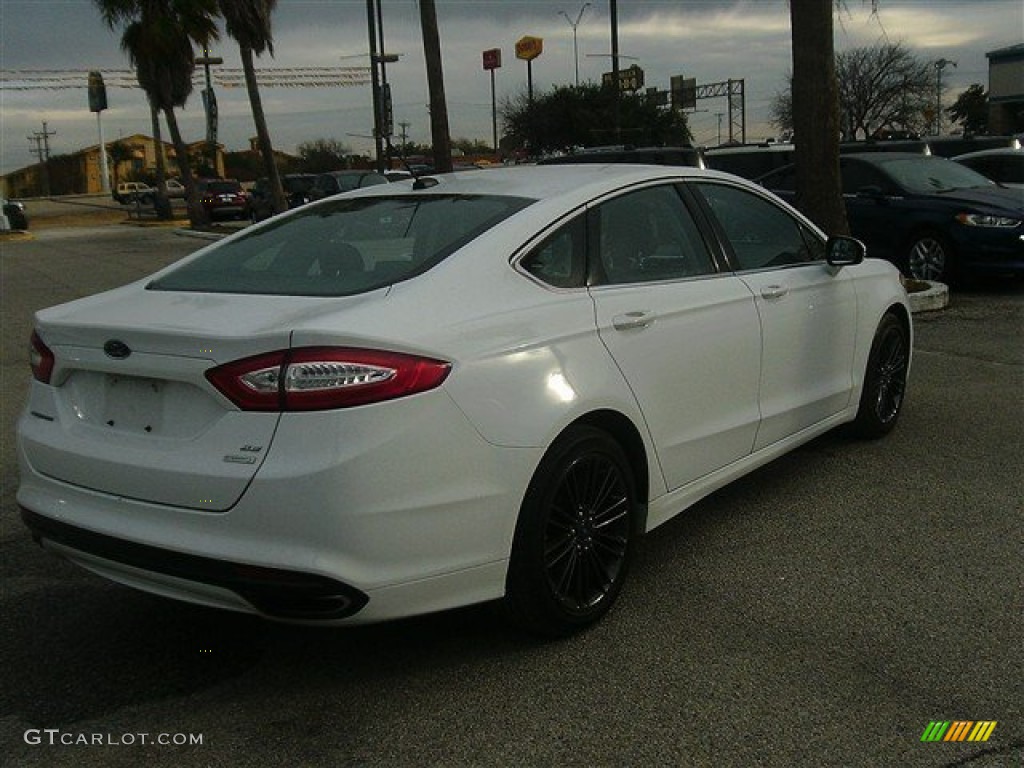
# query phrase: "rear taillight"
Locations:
[[40, 358], [322, 378]]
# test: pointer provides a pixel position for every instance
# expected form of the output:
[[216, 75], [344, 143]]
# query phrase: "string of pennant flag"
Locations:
[[223, 77]]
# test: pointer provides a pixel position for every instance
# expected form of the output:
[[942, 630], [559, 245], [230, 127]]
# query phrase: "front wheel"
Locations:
[[930, 257], [885, 380], [575, 535]]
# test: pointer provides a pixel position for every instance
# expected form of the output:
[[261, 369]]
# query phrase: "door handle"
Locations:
[[774, 291], [632, 320]]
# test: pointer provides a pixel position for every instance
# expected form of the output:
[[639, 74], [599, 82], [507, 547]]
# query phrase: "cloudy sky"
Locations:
[[711, 41]]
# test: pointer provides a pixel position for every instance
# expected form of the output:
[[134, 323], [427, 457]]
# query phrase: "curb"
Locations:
[[196, 234], [935, 297]]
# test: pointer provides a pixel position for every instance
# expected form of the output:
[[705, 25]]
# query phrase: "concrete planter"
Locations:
[[926, 295]]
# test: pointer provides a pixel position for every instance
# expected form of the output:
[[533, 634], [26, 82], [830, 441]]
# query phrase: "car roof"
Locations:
[[997, 152], [883, 158], [540, 182]]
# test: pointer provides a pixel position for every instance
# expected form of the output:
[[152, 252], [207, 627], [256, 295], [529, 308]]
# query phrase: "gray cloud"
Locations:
[[711, 41]]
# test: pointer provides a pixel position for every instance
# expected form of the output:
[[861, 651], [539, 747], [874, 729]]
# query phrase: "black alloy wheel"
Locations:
[[930, 257], [575, 535], [885, 380]]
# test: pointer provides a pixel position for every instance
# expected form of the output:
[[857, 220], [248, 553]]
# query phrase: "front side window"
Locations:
[[857, 176], [761, 234], [649, 235], [342, 247]]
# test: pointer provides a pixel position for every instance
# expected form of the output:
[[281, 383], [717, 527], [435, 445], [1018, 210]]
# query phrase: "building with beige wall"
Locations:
[[1006, 90], [129, 158]]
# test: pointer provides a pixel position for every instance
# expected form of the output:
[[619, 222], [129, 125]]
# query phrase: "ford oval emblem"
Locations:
[[117, 349]]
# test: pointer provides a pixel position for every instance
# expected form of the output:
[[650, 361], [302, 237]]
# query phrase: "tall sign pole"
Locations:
[[527, 49], [97, 103], [492, 61]]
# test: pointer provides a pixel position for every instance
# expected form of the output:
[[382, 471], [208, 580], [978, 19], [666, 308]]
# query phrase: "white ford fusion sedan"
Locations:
[[463, 388]]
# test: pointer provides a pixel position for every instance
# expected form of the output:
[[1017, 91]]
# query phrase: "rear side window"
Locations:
[[560, 260], [343, 247]]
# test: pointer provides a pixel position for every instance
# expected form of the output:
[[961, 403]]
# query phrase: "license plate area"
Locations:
[[133, 404], [138, 405]]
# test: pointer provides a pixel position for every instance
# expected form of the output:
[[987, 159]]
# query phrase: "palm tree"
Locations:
[[439, 135], [248, 23], [120, 153], [815, 109], [158, 36], [815, 104]]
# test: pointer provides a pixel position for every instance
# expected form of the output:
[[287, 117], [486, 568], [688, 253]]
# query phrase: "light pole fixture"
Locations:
[[940, 65], [575, 48]]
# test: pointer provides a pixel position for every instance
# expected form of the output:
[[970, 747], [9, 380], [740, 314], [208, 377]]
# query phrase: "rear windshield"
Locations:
[[342, 247], [222, 187]]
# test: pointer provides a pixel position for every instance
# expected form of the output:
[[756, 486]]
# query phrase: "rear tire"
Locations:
[[885, 380], [575, 536]]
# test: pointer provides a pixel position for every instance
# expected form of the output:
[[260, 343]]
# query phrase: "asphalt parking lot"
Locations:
[[819, 612]]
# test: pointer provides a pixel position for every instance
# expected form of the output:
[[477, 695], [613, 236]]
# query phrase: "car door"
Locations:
[[874, 208], [806, 308], [685, 336]]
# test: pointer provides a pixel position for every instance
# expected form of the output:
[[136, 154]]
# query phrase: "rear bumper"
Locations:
[[274, 592], [356, 516]]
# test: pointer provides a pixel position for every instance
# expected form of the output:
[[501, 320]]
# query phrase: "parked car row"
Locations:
[[934, 218], [302, 188]]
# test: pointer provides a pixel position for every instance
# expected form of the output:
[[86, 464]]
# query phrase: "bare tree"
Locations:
[[883, 86], [880, 87]]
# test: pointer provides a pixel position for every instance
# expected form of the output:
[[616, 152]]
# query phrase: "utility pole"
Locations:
[[404, 125], [42, 152], [940, 65], [616, 90], [210, 103], [378, 137]]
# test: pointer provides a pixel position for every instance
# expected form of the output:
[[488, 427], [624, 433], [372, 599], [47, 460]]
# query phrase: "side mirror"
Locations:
[[843, 251]]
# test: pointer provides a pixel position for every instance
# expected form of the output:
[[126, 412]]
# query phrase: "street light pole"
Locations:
[[940, 65], [575, 49], [371, 18]]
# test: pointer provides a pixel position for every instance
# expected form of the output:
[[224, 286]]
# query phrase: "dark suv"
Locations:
[[297, 190]]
